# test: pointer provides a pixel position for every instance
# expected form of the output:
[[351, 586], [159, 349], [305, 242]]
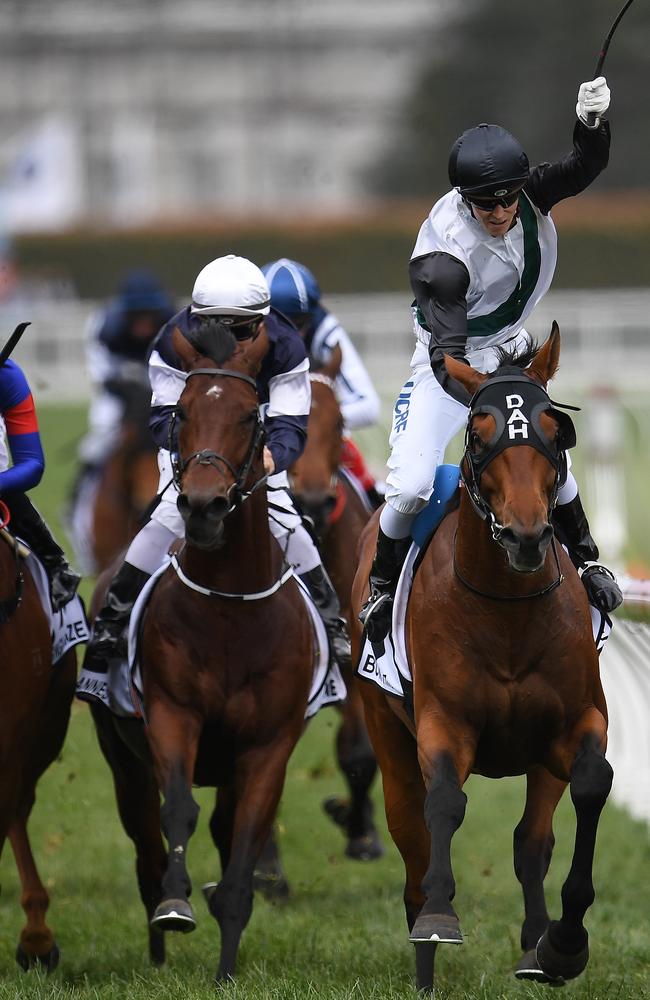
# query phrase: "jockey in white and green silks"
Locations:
[[483, 259]]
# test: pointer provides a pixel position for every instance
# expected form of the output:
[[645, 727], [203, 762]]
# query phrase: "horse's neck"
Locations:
[[248, 560], [483, 563]]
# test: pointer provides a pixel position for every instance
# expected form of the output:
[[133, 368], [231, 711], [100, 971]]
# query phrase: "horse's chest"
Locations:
[[520, 721]]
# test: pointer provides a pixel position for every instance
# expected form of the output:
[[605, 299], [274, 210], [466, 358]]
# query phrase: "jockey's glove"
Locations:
[[593, 98], [602, 589]]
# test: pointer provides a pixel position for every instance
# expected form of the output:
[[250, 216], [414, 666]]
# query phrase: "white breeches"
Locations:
[[150, 546], [104, 420]]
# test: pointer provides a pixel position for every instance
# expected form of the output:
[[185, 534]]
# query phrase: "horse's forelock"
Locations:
[[511, 361], [214, 340]]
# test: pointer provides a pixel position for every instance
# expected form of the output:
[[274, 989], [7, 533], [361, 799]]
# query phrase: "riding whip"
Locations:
[[591, 117], [11, 343]]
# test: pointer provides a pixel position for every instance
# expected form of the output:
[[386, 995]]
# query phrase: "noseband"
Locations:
[[517, 417], [236, 493]]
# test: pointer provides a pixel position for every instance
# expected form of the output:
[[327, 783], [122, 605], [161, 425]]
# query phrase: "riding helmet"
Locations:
[[487, 160], [294, 289], [231, 286]]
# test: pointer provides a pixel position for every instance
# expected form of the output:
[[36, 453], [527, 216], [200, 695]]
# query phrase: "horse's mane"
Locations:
[[511, 360], [214, 340]]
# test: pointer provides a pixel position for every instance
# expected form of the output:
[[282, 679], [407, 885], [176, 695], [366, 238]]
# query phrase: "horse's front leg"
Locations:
[[563, 949], [533, 847], [37, 942], [445, 763], [173, 738], [259, 780]]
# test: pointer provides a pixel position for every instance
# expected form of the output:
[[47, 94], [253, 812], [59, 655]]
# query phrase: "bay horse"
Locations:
[[128, 480], [505, 674], [226, 654], [35, 700], [339, 515]]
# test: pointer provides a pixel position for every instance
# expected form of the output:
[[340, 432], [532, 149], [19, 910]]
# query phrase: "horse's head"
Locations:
[[220, 434], [515, 445], [314, 477]]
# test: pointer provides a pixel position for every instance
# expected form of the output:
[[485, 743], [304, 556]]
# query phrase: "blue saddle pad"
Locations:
[[445, 486]]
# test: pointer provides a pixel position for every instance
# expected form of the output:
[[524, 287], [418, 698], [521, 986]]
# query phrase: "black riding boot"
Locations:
[[572, 528], [377, 613], [324, 596], [375, 498], [109, 639], [30, 526]]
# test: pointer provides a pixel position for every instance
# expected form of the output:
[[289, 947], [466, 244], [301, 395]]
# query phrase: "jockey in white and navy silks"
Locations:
[[296, 293], [22, 464], [482, 261], [233, 291]]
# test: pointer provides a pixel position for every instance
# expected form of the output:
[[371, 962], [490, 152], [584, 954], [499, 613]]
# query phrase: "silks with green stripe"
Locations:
[[509, 311]]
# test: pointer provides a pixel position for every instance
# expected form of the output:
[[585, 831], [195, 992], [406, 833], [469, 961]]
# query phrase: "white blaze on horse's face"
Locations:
[[215, 391], [517, 422]]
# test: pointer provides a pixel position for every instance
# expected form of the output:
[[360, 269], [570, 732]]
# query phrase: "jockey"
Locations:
[[118, 340], [235, 291], [295, 292], [482, 261], [20, 440]]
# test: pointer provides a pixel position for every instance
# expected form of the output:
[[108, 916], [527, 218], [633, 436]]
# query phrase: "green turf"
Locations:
[[343, 934]]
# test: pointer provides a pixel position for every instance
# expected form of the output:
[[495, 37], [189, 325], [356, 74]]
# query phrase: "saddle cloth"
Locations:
[[68, 626], [386, 663], [121, 690]]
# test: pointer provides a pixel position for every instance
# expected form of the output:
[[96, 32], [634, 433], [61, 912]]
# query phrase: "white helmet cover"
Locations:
[[231, 286]]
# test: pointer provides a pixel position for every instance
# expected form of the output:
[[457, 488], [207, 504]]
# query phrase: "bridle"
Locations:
[[534, 402], [236, 493], [519, 427]]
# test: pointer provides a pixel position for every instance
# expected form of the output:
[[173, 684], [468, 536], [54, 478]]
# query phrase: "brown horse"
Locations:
[[35, 700], [128, 481], [226, 652], [339, 516], [505, 674]]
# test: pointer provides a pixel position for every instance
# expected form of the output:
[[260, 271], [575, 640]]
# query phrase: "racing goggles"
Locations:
[[504, 199], [242, 328]]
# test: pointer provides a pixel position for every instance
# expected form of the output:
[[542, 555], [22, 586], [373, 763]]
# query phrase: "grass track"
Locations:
[[343, 935]]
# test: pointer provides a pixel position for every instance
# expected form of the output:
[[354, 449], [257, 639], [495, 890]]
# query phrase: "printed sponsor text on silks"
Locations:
[[402, 404]]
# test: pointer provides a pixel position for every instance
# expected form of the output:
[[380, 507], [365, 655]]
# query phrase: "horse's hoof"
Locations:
[[48, 961], [558, 964], [208, 890], [274, 888], [439, 927], [173, 915], [528, 968], [366, 848]]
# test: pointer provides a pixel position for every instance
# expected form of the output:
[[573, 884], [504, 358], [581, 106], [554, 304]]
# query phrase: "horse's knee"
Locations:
[[532, 855], [445, 798], [591, 777]]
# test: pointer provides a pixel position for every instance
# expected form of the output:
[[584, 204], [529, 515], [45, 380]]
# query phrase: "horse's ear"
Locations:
[[468, 377], [250, 353], [333, 366], [547, 359], [186, 351]]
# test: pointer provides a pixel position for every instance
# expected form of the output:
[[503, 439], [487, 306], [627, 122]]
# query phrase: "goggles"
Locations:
[[505, 200], [242, 328]]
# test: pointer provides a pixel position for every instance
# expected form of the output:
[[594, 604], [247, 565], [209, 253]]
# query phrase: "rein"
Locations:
[[209, 592], [11, 604], [510, 597]]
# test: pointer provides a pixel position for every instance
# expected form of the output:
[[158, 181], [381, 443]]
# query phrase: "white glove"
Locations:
[[593, 97]]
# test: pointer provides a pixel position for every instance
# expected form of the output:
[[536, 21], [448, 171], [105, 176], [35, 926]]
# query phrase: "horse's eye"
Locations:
[[475, 443], [250, 418], [181, 415]]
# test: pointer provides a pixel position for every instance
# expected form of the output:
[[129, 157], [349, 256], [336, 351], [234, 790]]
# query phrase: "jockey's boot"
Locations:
[[324, 597], [572, 528], [30, 526], [109, 639], [377, 613]]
